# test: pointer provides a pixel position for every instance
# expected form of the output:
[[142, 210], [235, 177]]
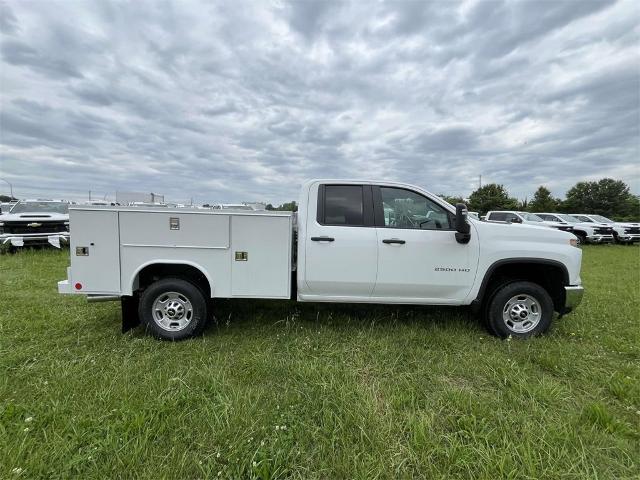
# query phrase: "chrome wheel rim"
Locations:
[[172, 311], [522, 313]]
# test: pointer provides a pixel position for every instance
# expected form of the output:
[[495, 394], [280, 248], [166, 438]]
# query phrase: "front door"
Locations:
[[418, 256], [341, 243]]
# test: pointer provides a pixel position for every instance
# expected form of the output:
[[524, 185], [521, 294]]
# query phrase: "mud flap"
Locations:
[[130, 318]]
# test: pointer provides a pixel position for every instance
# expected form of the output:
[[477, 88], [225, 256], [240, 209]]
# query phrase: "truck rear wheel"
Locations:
[[173, 309], [520, 310]]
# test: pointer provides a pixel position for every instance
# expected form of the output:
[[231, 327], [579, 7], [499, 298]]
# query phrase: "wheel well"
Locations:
[[551, 276], [156, 271]]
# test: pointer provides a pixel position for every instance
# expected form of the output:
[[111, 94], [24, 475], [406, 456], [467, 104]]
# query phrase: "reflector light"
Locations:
[[78, 286]]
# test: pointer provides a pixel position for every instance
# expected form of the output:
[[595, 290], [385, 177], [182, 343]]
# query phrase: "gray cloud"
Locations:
[[230, 102]]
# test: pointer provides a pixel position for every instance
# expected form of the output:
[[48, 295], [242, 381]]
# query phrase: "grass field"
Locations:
[[286, 390]]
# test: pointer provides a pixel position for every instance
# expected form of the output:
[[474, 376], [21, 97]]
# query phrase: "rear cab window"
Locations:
[[345, 205]]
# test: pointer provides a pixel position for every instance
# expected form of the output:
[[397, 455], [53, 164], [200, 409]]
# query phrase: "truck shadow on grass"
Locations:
[[248, 314]]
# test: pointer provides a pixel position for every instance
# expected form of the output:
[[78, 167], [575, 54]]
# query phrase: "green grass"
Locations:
[[286, 390]]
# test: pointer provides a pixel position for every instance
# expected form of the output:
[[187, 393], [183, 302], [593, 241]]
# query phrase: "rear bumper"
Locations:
[[64, 287], [19, 240], [573, 297]]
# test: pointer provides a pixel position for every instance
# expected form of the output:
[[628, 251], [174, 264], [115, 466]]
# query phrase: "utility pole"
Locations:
[[480, 182], [89, 195], [10, 186]]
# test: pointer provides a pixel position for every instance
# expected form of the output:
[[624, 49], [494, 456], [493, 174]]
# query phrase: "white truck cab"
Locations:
[[351, 241], [624, 232], [587, 232]]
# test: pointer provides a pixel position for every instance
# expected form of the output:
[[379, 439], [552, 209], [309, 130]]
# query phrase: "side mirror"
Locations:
[[462, 226]]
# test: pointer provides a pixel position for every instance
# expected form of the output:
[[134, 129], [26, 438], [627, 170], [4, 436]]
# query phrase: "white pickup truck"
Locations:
[[624, 232], [586, 231], [351, 241], [35, 222], [525, 218]]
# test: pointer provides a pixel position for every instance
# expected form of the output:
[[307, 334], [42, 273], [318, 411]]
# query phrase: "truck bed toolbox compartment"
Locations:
[[95, 251], [261, 256], [173, 229]]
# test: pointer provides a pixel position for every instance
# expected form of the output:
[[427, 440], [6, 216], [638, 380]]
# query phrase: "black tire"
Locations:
[[534, 305], [191, 309], [582, 238]]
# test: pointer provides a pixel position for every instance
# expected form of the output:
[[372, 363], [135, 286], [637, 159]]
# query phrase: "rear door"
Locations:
[[341, 246], [418, 255]]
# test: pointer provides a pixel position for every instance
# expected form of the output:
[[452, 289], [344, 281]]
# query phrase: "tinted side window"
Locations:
[[510, 217], [343, 205], [498, 216], [406, 209]]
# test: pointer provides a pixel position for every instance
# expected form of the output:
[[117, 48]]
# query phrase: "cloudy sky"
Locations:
[[244, 101]]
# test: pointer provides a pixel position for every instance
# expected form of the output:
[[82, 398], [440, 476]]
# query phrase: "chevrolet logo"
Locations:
[[34, 225]]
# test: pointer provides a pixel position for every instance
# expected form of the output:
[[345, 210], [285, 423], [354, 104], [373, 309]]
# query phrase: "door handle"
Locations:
[[394, 240], [322, 239]]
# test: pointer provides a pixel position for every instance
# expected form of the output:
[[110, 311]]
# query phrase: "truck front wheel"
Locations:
[[173, 309], [519, 309]]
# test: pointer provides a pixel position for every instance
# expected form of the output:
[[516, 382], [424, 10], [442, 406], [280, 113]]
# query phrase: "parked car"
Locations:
[[526, 218], [34, 222], [352, 242], [624, 232], [231, 206], [147, 204], [587, 232], [101, 203]]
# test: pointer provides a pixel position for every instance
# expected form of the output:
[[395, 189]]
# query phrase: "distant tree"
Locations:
[[285, 207], [607, 197], [491, 197], [632, 210], [452, 200], [6, 198], [543, 201], [289, 207]]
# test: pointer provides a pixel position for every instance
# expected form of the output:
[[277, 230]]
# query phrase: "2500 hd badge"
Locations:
[[448, 269]]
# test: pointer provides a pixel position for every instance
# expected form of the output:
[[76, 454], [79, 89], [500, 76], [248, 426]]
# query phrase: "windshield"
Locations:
[[40, 207], [531, 217], [600, 218], [567, 218]]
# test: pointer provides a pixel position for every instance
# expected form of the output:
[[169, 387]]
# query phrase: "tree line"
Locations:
[[608, 197]]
